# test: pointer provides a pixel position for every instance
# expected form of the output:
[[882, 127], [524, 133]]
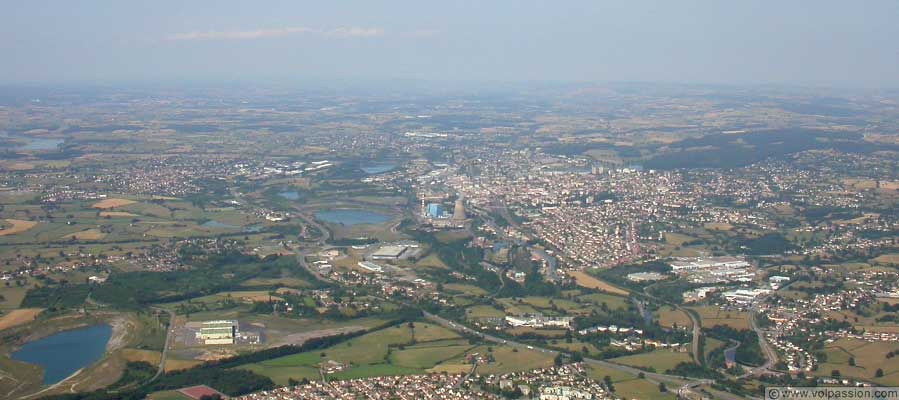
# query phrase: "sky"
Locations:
[[794, 42]]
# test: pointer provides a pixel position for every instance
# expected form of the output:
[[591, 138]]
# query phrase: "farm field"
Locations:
[[148, 356], [662, 359], [642, 389], [628, 386], [887, 259], [18, 317], [481, 311], [367, 355], [399, 350], [14, 226], [712, 315], [612, 301], [465, 289], [677, 239], [585, 280], [112, 203], [510, 359], [869, 356], [670, 317]]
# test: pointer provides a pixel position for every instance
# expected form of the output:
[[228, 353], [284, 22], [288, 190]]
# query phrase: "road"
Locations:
[[697, 330], [455, 326], [770, 354], [325, 233], [301, 258], [730, 352], [550, 264], [452, 325], [684, 384], [165, 347]]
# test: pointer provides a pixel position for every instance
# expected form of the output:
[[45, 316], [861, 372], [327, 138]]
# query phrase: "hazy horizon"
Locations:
[[804, 43]]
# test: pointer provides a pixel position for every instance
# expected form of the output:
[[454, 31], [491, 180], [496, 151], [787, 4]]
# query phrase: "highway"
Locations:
[[770, 354], [455, 326], [683, 384], [325, 233], [170, 329], [697, 330], [617, 367]]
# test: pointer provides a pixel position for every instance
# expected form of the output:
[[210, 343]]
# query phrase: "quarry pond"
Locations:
[[64, 353]]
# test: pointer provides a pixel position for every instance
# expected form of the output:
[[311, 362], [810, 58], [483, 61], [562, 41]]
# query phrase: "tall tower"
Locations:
[[459, 210]]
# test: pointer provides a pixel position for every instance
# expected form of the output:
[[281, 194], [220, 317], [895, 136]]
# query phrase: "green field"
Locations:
[[710, 316], [628, 386], [869, 356], [427, 356], [661, 360], [394, 350], [612, 301], [481, 311]]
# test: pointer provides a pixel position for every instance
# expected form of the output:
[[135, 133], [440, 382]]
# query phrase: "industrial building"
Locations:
[[539, 321], [218, 332], [646, 276], [388, 253], [435, 210], [370, 266], [707, 263]]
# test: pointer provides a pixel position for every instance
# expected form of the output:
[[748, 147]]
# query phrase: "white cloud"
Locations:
[[279, 32], [354, 32], [423, 33]]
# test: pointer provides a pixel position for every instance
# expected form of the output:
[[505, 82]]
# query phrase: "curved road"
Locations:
[[770, 354], [455, 326], [697, 328], [452, 325]]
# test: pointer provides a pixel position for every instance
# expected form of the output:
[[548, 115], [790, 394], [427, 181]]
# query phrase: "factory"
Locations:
[[744, 296], [218, 332], [539, 321], [646, 277], [435, 210], [439, 217], [370, 266], [394, 251], [714, 270], [708, 263], [388, 253]]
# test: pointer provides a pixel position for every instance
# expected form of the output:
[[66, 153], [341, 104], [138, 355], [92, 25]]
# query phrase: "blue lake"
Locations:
[[253, 228], [66, 352], [351, 217], [289, 195], [216, 224], [37, 143], [378, 168], [42, 144]]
